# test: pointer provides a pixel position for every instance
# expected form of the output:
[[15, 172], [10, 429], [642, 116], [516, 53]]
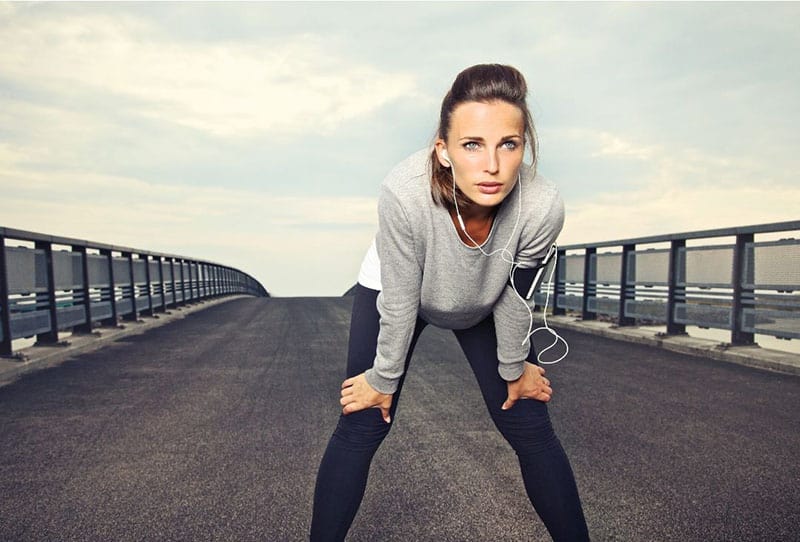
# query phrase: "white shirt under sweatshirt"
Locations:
[[423, 268]]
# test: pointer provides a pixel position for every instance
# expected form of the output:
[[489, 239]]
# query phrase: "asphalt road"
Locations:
[[212, 427]]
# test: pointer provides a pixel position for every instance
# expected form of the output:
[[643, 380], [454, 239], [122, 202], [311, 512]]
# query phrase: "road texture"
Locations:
[[211, 428]]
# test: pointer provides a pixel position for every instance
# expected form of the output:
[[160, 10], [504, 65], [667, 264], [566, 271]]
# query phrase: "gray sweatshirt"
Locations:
[[426, 270]]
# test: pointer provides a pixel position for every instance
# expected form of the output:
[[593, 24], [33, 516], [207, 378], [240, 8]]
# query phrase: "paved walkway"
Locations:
[[211, 428]]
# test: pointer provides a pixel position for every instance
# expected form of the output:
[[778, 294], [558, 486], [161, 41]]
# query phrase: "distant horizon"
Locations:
[[136, 249]]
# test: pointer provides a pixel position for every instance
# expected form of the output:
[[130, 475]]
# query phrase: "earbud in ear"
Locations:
[[447, 157]]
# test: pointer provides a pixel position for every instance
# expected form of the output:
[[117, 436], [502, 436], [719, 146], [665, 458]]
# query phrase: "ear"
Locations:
[[441, 153]]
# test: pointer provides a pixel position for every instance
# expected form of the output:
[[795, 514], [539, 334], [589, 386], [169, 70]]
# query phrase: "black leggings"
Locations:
[[342, 476]]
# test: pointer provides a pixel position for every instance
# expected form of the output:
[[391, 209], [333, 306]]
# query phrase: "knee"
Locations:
[[361, 430], [527, 428]]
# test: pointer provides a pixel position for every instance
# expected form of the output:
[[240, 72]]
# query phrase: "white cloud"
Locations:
[[612, 145], [124, 199], [660, 211], [295, 86], [676, 190], [307, 245]]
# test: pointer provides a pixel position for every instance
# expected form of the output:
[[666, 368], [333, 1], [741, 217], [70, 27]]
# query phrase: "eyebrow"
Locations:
[[476, 138]]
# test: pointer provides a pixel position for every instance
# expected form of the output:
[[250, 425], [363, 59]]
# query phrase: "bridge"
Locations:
[[211, 423]]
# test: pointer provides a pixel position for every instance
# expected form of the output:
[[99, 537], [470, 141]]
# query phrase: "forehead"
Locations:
[[483, 119]]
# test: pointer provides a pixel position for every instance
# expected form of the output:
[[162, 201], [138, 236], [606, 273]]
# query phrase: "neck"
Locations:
[[477, 221], [477, 213]]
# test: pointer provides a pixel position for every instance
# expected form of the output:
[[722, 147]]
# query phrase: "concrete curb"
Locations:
[[35, 358], [751, 356]]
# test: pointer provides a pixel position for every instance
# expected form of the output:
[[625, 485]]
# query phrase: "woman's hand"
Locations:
[[530, 385], [357, 395]]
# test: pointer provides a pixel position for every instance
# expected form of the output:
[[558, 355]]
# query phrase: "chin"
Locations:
[[489, 200]]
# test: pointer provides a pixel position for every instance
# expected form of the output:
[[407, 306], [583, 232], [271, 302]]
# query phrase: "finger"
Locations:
[[386, 416], [541, 370], [508, 403], [538, 393], [348, 382], [352, 407], [347, 391]]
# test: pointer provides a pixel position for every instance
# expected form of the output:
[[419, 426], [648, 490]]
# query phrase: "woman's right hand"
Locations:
[[357, 395]]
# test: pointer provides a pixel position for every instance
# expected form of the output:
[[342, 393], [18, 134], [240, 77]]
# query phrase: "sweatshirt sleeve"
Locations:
[[398, 302], [510, 314]]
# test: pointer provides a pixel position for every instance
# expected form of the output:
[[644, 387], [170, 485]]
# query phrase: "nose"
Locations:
[[492, 163]]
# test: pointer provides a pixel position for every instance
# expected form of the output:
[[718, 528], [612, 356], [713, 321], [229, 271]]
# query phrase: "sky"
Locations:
[[256, 135]]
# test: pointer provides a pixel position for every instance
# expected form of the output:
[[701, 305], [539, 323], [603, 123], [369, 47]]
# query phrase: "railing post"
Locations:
[[626, 292], [87, 300], [589, 289], [677, 287], [149, 311], [5, 312], [199, 280], [134, 315], [739, 336], [160, 261], [113, 320], [194, 275], [183, 284], [560, 288], [49, 337], [172, 277], [190, 266]]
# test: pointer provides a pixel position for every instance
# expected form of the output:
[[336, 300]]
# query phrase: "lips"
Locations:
[[490, 188]]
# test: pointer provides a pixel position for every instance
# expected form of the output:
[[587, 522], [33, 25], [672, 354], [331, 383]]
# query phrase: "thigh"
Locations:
[[364, 329], [479, 344]]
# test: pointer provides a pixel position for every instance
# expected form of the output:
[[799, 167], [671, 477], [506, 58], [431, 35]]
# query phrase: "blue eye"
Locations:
[[471, 146], [510, 145]]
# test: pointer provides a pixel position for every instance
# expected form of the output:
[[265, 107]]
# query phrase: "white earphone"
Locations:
[[508, 257], [455, 201]]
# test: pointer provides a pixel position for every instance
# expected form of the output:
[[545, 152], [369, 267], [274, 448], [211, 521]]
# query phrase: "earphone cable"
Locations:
[[507, 257]]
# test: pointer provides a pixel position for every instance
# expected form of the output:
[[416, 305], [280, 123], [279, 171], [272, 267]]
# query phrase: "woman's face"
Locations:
[[485, 145]]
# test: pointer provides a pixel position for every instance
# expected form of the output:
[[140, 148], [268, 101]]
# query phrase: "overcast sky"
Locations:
[[256, 135]]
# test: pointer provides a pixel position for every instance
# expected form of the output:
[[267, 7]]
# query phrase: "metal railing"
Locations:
[[62, 284], [744, 285]]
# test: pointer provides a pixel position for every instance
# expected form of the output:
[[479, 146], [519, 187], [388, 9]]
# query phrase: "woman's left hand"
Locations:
[[531, 385]]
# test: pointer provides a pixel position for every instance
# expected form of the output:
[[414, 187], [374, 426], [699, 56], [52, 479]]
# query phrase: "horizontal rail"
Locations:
[[701, 234], [46, 290], [23, 235]]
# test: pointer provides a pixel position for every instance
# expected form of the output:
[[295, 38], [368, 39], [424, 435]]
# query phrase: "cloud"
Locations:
[[286, 242], [86, 196], [660, 211], [615, 146], [289, 87], [673, 189]]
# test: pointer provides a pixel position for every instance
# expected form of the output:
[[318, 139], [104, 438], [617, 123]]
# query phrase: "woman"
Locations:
[[453, 221]]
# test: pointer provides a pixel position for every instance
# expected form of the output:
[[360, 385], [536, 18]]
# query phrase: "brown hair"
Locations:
[[481, 83]]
